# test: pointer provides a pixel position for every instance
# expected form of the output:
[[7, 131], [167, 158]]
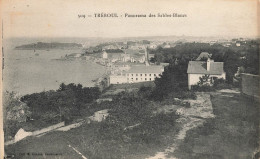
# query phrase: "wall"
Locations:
[[141, 77], [114, 79], [44, 130], [21, 134], [133, 78], [250, 85]]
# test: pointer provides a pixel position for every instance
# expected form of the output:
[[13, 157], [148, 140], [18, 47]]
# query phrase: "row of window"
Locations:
[[140, 79], [142, 74]]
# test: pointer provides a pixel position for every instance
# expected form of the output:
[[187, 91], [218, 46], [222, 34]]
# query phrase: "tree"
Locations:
[[173, 79], [231, 64]]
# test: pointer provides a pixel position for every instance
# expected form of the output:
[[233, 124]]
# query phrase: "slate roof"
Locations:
[[145, 69], [200, 67]]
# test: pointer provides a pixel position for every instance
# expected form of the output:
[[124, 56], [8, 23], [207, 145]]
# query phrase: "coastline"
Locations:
[[34, 74]]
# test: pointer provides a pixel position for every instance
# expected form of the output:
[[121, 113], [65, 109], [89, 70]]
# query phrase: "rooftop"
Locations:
[[200, 67], [145, 69]]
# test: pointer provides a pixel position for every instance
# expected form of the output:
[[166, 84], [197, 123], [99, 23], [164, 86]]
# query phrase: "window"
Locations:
[[150, 74], [136, 74], [140, 74], [150, 79], [154, 74], [144, 74], [137, 79], [132, 74], [131, 78], [145, 79]]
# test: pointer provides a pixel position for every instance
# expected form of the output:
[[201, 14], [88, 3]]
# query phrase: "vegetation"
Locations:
[[131, 129], [66, 102], [231, 134], [114, 51], [246, 56], [206, 84], [15, 113]]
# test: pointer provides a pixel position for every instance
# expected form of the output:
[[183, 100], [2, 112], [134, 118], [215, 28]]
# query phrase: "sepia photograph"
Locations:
[[130, 79]]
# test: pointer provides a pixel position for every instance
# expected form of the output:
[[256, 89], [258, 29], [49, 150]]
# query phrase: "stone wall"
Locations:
[[250, 85]]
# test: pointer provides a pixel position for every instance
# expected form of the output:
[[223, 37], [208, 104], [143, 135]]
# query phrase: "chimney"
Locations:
[[208, 64]]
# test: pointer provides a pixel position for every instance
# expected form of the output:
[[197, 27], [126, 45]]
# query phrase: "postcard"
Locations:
[[139, 79]]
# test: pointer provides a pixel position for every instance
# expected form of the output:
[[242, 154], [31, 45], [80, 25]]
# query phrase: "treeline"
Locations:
[[246, 56], [64, 103]]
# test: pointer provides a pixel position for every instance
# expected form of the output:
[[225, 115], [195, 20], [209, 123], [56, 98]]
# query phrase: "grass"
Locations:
[[231, 135], [102, 141]]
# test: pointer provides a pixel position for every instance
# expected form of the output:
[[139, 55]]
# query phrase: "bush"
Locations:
[[68, 100], [186, 95], [145, 91], [221, 84]]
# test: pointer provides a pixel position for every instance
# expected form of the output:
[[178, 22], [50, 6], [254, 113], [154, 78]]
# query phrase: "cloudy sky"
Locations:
[[59, 18]]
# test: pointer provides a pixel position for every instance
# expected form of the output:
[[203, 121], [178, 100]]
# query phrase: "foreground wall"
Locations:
[[250, 85]]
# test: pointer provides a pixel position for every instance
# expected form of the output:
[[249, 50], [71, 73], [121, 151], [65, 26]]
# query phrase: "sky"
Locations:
[[59, 18]]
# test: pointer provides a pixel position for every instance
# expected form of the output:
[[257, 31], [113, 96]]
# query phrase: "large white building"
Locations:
[[197, 69], [138, 73]]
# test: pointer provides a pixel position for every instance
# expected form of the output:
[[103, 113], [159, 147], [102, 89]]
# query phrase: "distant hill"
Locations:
[[52, 45]]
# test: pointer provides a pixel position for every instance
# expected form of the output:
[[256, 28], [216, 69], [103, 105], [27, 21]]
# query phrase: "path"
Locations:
[[192, 117]]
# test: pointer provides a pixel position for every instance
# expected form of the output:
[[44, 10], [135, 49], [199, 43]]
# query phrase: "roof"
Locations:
[[200, 67], [145, 69], [203, 55]]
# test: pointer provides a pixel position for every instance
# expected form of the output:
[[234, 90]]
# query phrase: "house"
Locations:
[[104, 55], [197, 69], [125, 57], [152, 46], [166, 46]]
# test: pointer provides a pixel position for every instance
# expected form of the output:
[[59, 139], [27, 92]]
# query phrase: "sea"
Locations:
[[29, 71]]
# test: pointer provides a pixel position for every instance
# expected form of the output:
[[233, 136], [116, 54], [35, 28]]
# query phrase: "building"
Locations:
[[104, 55], [138, 73], [143, 73], [197, 69], [167, 46], [238, 44], [125, 57]]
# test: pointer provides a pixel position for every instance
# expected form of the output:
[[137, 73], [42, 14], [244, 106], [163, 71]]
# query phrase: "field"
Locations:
[[232, 134]]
